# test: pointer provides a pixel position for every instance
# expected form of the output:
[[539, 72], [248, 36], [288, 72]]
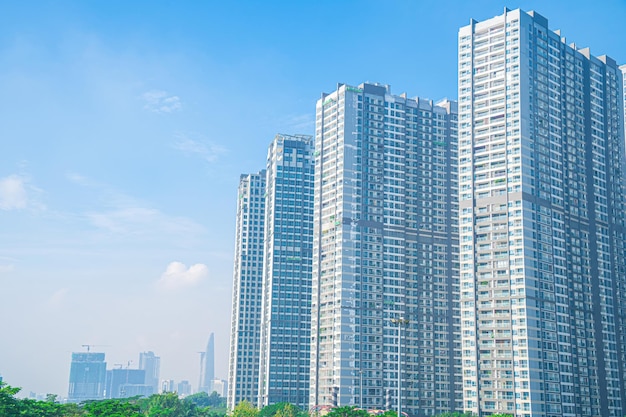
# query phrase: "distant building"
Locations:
[[221, 387], [123, 383], [36, 396], [136, 390], [167, 385], [183, 388], [207, 366], [87, 376], [151, 363], [245, 331]]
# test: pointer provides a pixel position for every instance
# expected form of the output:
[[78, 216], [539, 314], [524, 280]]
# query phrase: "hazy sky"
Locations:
[[124, 126]]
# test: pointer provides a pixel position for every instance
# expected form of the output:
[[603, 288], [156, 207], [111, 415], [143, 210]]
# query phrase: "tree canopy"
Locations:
[[281, 410], [167, 405], [347, 411], [9, 405], [158, 405], [202, 399], [244, 409]]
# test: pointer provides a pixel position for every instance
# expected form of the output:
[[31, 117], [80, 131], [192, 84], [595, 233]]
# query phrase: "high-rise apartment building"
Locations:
[[286, 315], [151, 363], [87, 376], [245, 332], [623, 68], [541, 177], [385, 253]]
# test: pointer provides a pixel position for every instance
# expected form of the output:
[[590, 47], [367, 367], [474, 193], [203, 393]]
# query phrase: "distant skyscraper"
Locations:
[[385, 252], [207, 366], [151, 363], [286, 315], [183, 388], [87, 376], [125, 382], [542, 228], [245, 332]]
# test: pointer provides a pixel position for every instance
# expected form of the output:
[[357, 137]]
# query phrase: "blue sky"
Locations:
[[124, 127]]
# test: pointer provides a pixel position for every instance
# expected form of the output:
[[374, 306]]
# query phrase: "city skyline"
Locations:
[[116, 195]]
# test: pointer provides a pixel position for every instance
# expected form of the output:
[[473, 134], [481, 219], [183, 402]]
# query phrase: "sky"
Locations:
[[124, 127]]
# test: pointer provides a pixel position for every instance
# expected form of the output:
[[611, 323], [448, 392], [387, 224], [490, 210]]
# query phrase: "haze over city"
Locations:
[[124, 129]]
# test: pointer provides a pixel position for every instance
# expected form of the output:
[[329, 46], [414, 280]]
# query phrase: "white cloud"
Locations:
[[138, 220], [123, 214], [78, 179], [177, 275], [205, 149], [161, 102], [303, 123], [123, 220], [13, 193], [57, 299], [7, 264]]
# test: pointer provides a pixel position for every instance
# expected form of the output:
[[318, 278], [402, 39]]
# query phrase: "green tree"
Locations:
[[112, 408], [270, 410], [281, 410], [9, 405], [168, 405], [244, 409], [456, 414], [347, 411], [72, 410], [289, 410], [202, 399], [216, 400], [211, 412], [33, 408]]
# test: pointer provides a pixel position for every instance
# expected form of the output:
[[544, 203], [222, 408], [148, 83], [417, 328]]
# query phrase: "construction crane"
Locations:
[[88, 347]]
